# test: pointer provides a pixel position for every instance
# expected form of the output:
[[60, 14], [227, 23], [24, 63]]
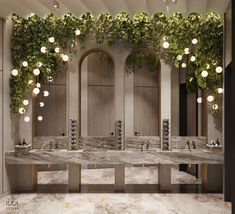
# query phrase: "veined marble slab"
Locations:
[[43, 142], [136, 141], [114, 157], [180, 142]]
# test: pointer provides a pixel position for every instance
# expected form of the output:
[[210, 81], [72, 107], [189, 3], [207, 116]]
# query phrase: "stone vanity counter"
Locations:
[[202, 156]]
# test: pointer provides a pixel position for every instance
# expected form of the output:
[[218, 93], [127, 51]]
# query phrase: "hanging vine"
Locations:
[[193, 43]]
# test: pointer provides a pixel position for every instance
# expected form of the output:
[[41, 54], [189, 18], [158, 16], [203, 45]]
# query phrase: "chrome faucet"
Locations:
[[51, 145], [146, 143], [189, 145]]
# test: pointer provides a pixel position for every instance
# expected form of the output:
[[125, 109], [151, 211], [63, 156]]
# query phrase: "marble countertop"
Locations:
[[115, 157]]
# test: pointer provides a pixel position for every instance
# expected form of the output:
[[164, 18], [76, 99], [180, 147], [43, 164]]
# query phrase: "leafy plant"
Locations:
[[31, 34]]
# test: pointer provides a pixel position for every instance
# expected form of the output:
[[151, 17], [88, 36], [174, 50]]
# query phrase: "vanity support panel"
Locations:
[[212, 177], [119, 185], [74, 184], [164, 177]]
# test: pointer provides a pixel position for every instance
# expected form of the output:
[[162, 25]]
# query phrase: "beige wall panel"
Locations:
[[228, 33], [146, 102], [143, 77], [54, 112], [175, 102], [1, 43], [61, 77], [1, 124], [101, 108], [146, 117], [101, 71], [101, 115], [191, 114]]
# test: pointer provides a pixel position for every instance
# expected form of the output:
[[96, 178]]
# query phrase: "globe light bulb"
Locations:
[[49, 79], [199, 100], [36, 72], [165, 38], [191, 79], [207, 66], [36, 90], [193, 58], [38, 85], [215, 106], [183, 65], [165, 45], [210, 98], [65, 58], [25, 102], [14, 72], [39, 64], [194, 41], [26, 119], [25, 64], [204, 73], [179, 57], [186, 51], [43, 49], [57, 50], [22, 110], [45, 93], [40, 118], [41, 104], [30, 82], [220, 90], [51, 39], [219, 69], [77, 32]]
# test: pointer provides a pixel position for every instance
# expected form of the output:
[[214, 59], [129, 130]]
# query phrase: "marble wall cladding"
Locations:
[[59, 142], [137, 141], [97, 142], [108, 143], [180, 142]]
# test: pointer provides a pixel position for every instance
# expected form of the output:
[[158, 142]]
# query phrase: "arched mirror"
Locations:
[[97, 95]]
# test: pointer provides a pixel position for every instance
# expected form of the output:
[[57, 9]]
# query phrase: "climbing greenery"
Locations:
[[140, 32]]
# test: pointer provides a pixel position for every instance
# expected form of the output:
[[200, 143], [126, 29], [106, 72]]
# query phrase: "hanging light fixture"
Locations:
[[26, 119], [56, 4], [39, 64], [57, 49], [30, 82], [25, 102], [219, 69], [204, 73], [215, 106], [183, 65], [43, 49], [186, 50], [22, 110], [45, 93], [193, 58], [25, 64], [77, 32], [199, 100], [210, 98], [51, 39], [194, 41], [220, 90], [41, 104], [14, 72], [36, 90], [179, 57], [36, 72], [165, 45], [40, 118]]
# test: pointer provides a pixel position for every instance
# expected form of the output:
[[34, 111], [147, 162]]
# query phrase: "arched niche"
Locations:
[[146, 98], [97, 101]]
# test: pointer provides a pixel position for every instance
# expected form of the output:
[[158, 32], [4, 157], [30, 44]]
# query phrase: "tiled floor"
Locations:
[[114, 204]]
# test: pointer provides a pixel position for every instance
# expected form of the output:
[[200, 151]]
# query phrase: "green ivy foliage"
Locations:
[[141, 31]]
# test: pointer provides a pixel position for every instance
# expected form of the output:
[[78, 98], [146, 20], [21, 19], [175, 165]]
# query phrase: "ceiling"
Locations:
[[78, 7]]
